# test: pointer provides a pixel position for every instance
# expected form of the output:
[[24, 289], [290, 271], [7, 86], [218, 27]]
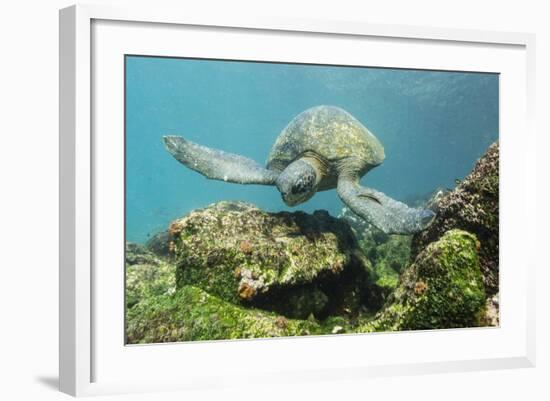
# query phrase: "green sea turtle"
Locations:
[[322, 148]]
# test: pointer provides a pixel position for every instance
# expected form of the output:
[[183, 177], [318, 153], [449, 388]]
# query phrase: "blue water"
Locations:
[[433, 125]]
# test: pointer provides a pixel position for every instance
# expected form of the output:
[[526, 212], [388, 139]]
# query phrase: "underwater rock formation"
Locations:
[[443, 288], [294, 263], [491, 316], [231, 270], [191, 314], [472, 206], [147, 275], [388, 254], [159, 244], [389, 259]]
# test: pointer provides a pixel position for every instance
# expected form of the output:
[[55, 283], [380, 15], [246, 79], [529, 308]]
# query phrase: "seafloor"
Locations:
[[232, 271]]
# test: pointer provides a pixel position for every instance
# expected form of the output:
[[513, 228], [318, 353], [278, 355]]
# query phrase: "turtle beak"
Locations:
[[289, 201]]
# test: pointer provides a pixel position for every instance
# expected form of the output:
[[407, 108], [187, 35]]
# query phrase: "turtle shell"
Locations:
[[331, 133]]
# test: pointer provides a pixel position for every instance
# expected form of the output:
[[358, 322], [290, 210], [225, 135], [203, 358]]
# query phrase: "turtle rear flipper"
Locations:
[[217, 164], [385, 213]]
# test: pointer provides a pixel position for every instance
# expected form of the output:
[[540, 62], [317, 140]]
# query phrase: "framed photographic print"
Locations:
[[238, 195]]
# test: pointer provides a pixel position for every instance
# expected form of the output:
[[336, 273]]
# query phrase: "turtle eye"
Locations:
[[297, 188]]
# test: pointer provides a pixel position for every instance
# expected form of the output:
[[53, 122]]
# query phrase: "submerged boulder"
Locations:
[[472, 206], [293, 263], [192, 314], [147, 275], [231, 270], [491, 317], [389, 258], [388, 254], [443, 288], [159, 244]]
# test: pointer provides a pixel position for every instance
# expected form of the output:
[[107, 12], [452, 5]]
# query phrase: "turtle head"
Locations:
[[297, 182]]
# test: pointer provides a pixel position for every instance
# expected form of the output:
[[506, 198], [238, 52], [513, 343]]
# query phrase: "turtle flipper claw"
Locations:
[[387, 214], [426, 217]]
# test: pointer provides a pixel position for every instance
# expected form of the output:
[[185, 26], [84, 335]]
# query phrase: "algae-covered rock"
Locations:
[[388, 254], [146, 275], [389, 258], [443, 288], [490, 315], [294, 263], [472, 206], [245, 273], [159, 244], [137, 254], [394, 253], [300, 302], [192, 314]]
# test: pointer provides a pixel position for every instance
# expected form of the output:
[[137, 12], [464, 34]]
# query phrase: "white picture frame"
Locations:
[[82, 343]]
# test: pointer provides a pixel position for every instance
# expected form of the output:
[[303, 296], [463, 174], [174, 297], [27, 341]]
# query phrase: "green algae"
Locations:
[[443, 288], [232, 271], [285, 262], [191, 314], [147, 275], [474, 207], [389, 255]]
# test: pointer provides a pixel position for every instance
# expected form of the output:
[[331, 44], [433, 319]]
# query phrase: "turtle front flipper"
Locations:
[[217, 164], [387, 214]]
